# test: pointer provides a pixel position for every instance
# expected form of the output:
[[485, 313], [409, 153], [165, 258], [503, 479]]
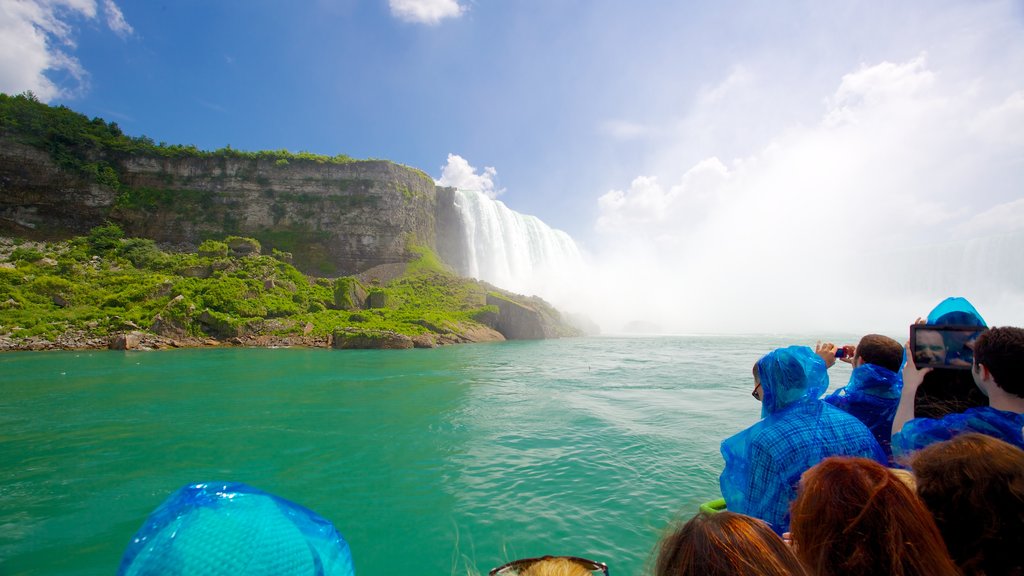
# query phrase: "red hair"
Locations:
[[725, 544], [854, 516]]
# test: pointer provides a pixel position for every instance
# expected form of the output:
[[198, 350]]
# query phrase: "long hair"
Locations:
[[725, 544], [974, 486], [853, 516]]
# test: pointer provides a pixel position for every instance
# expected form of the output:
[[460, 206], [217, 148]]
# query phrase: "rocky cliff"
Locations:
[[336, 218], [63, 175]]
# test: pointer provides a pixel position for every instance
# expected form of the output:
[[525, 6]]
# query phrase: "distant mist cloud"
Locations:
[[459, 174], [624, 129], [37, 42], [831, 223], [425, 11]]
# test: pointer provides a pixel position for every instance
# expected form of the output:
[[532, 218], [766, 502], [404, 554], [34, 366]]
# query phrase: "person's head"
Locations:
[[758, 392], [229, 528], [788, 376], [854, 516], [956, 310], [725, 544], [551, 566], [999, 355], [974, 486], [879, 350]]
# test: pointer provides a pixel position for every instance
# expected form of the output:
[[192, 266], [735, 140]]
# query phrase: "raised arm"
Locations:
[[912, 378]]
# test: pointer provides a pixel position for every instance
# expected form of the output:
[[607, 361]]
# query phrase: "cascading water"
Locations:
[[514, 251]]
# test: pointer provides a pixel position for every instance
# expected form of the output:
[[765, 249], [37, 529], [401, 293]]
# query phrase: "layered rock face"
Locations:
[[335, 218], [38, 199]]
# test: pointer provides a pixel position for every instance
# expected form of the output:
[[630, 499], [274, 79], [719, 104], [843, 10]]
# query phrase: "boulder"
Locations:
[[355, 339], [241, 247], [377, 299], [517, 321], [424, 341], [125, 341], [198, 271]]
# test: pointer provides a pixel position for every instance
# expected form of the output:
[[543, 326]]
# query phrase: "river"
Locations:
[[444, 461]]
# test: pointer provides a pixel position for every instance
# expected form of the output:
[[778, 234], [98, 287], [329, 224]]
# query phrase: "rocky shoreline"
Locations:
[[345, 339]]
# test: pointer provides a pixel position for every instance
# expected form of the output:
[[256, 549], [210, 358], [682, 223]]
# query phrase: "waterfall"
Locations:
[[986, 270], [514, 251]]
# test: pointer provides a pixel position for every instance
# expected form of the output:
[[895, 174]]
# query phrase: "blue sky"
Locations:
[[696, 141]]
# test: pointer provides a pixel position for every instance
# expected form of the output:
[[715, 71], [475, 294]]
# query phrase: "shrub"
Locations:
[[240, 246], [26, 254], [141, 252], [105, 237], [213, 249]]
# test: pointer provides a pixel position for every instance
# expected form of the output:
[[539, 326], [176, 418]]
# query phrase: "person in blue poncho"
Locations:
[[998, 371], [231, 529], [945, 390], [763, 463], [873, 392]]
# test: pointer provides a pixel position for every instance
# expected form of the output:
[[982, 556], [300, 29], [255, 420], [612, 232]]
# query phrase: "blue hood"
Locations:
[[789, 376], [956, 310]]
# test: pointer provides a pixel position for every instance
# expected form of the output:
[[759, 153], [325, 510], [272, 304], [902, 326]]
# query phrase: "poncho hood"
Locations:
[[789, 376], [956, 310]]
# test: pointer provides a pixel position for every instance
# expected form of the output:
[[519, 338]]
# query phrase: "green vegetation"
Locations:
[[104, 283], [75, 143]]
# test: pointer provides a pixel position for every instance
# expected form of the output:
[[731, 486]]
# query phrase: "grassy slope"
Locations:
[[104, 284]]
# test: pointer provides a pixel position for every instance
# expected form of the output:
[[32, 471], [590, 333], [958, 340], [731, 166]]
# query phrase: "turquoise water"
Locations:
[[445, 461]]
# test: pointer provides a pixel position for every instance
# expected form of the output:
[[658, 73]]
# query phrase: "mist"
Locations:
[[906, 187]]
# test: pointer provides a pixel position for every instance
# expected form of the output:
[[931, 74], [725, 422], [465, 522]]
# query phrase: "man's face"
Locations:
[[930, 347], [758, 389]]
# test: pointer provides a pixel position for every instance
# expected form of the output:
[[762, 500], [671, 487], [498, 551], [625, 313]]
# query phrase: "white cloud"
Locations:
[[459, 174], [425, 11], [647, 206], [814, 229], [879, 85], [36, 39], [115, 19]]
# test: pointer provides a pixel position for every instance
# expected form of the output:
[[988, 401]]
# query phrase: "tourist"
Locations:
[[551, 566], [853, 516], [725, 544], [998, 371], [231, 529], [949, 390], [873, 392], [974, 486], [764, 462]]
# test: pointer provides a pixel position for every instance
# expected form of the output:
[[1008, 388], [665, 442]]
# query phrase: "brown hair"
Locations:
[[853, 516], [1001, 350], [880, 350], [974, 486], [725, 544]]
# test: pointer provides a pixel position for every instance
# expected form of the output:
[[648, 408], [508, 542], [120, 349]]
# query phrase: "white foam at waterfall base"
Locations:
[[515, 251]]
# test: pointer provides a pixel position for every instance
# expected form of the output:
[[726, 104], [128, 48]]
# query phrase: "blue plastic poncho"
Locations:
[[921, 432], [215, 529], [956, 310], [871, 396], [763, 463]]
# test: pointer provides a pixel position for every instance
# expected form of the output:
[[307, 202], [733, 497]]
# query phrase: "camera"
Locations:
[[943, 345]]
